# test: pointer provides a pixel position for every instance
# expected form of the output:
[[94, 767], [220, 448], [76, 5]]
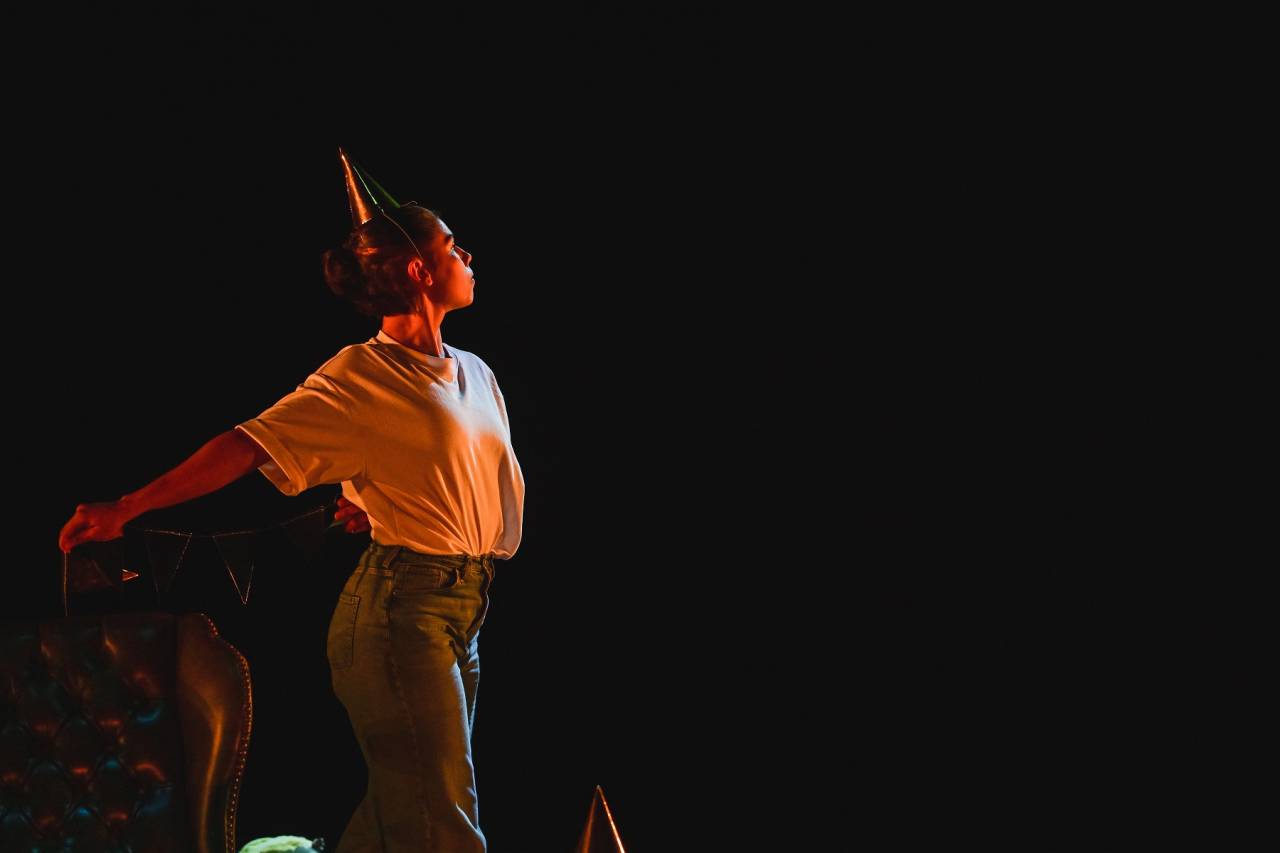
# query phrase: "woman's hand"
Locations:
[[100, 522], [93, 523], [357, 519]]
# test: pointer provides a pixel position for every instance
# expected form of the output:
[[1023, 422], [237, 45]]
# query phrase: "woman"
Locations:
[[417, 433]]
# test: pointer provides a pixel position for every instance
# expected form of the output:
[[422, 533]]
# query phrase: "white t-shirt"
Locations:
[[420, 443]]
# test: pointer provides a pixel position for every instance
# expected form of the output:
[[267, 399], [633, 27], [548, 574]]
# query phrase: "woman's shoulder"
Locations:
[[373, 356], [468, 357], [358, 358], [463, 353]]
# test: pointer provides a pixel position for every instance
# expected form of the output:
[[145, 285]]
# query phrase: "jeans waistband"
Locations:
[[383, 556]]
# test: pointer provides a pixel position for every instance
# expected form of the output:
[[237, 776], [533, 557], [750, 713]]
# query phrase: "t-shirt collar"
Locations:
[[445, 364]]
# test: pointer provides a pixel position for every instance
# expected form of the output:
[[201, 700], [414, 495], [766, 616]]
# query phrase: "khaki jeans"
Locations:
[[405, 661]]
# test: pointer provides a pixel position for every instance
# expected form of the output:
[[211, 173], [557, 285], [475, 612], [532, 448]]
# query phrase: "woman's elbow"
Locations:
[[256, 454]]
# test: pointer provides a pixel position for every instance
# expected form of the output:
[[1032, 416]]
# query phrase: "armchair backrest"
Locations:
[[123, 729]]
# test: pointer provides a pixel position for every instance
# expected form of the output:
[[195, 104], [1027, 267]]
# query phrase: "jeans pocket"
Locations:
[[410, 579], [486, 590], [342, 631]]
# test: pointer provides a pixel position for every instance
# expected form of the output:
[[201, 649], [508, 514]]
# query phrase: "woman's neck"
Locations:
[[415, 332]]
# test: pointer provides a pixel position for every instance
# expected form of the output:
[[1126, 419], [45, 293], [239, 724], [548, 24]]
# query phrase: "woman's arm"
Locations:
[[222, 460]]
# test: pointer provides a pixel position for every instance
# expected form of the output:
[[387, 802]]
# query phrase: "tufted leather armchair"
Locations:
[[121, 732]]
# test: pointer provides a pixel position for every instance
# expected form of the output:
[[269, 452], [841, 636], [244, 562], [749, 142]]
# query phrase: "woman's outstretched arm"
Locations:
[[223, 459]]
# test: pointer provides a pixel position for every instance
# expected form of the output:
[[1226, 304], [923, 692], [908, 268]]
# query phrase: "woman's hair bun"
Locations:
[[372, 279], [342, 272]]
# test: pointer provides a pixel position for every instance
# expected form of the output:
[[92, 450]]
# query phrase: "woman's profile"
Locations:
[[417, 433]]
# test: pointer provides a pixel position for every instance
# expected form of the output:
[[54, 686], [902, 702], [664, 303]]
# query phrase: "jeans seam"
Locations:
[[413, 735]]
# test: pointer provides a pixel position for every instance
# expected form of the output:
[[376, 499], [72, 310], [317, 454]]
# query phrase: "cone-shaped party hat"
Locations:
[[599, 835], [370, 201], [363, 207]]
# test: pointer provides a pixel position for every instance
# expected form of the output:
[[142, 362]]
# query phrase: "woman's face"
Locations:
[[452, 281]]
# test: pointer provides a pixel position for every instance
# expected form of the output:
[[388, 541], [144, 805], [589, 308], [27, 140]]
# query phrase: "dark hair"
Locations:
[[368, 269]]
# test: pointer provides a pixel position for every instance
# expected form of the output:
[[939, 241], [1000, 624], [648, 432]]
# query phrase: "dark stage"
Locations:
[[759, 596]]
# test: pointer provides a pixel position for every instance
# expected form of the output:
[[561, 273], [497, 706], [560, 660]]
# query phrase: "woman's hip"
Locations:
[[397, 600]]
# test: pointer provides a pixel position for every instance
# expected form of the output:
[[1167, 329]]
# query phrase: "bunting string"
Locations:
[[325, 508], [100, 565]]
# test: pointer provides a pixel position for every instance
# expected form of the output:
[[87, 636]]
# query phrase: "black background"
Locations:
[[739, 287]]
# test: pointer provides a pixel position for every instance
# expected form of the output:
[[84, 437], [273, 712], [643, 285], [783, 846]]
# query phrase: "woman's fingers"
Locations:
[[355, 519], [69, 536], [92, 523], [81, 534]]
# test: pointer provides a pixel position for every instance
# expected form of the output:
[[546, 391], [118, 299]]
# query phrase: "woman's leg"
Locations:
[[469, 662], [356, 633], [362, 831], [410, 693], [469, 669], [433, 699]]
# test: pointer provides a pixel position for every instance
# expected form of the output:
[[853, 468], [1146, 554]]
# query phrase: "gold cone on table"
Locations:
[[600, 835]]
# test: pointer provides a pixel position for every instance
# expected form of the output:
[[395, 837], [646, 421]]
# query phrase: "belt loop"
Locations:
[[391, 556]]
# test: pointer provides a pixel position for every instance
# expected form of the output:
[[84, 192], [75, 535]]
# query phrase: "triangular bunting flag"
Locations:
[[599, 835], [306, 532], [237, 550], [93, 567], [165, 552], [86, 574], [108, 557]]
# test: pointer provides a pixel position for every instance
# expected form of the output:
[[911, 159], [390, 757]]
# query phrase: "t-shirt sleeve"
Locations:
[[310, 435], [501, 401]]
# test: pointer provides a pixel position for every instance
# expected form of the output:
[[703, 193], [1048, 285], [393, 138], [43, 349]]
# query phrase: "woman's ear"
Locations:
[[418, 271]]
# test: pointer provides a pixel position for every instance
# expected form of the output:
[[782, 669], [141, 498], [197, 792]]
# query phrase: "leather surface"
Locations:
[[121, 732]]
